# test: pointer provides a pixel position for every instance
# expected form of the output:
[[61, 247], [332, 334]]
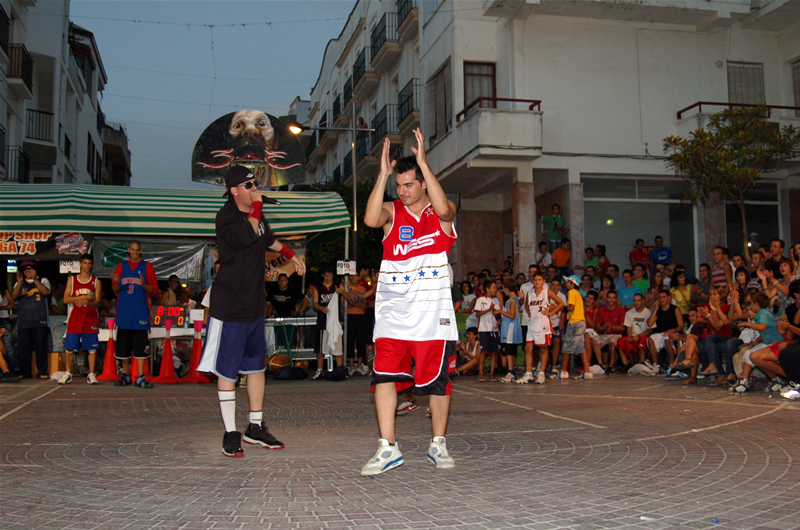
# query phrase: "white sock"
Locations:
[[256, 417], [528, 373], [227, 405]]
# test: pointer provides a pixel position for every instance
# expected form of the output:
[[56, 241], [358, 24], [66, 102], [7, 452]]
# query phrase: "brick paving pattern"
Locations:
[[617, 452]]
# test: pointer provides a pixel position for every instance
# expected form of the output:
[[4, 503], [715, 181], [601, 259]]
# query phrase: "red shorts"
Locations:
[[432, 358], [627, 348]]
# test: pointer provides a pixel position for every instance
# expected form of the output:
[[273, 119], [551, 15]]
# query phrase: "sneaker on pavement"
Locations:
[[350, 371], [428, 412], [364, 370], [141, 382], [124, 380], [405, 407], [260, 435], [8, 377], [525, 379], [777, 384], [65, 379], [91, 379], [793, 394], [439, 455], [561, 375], [232, 444], [585, 376], [742, 386], [387, 457], [540, 378], [317, 374], [508, 378]]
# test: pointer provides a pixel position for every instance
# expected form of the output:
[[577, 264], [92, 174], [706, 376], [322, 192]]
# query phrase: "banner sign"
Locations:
[[184, 259], [43, 245], [277, 264]]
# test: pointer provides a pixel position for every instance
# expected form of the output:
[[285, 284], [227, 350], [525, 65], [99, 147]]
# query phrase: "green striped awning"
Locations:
[[153, 212]]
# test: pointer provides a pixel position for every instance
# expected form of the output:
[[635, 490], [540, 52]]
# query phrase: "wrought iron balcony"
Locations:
[[408, 106], [18, 164], [347, 165], [365, 79], [39, 125], [20, 74], [385, 123]]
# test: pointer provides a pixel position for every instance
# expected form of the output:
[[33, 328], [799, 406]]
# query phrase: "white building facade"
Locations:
[[527, 103], [55, 131]]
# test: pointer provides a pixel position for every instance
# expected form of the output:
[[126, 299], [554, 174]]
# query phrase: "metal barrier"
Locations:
[[294, 336]]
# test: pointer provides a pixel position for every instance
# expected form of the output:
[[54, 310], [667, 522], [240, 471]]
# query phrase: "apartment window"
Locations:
[[438, 105], [479, 81], [429, 8], [796, 85], [746, 83]]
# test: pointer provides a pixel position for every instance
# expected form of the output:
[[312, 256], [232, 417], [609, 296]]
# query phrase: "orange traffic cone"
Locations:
[[167, 373], [110, 363], [197, 351]]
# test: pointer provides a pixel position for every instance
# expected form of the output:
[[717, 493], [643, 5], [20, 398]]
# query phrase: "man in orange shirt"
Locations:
[[562, 255]]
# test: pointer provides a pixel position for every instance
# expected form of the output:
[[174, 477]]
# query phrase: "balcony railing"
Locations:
[[18, 165], [404, 7], [362, 66], [363, 145], [386, 30], [337, 107], [408, 99], [2, 146], [40, 125], [337, 174], [347, 91], [5, 30], [384, 123], [21, 65], [323, 119], [699, 106], [347, 165], [479, 102]]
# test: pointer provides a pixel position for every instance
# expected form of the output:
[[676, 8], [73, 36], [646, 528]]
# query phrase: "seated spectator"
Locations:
[[700, 291], [592, 272], [638, 255], [637, 332], [468, 352], [776, 278], [521, 280], [765, 322], [721, 272], [715, 339], [552, 274], [610, 325], [561, 257], [589, 313], [640, 279], [613, 271], [628, 291], [602, 260], [690, 343], [681, 292], [666, 319], [738, 261], [587, 284], [656, 284], [794, 257], [606, 286], [185, 301], [543, 257], [590, 261]]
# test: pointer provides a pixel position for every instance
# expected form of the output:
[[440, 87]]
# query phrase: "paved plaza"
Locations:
[[618, 452]]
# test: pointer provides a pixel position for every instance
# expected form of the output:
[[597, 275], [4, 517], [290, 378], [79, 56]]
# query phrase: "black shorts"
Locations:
[[131, 340], [490, 341], [510, 350], [789, 359]]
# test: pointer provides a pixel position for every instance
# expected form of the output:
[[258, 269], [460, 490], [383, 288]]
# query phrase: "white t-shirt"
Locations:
[[207, 298], [637, 321], [555, 320], [3, 312], [486, 322], [548, 259], [523, 290]]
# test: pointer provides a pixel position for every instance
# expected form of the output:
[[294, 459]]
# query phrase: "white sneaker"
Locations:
[[317, 374], [439, 455], [508, 378], [388, 457], [563, 375], [793, 394], [540, 378], [65, 379], [92, 379], [585, 375], [350, 371], [525, 379], [364, 370]]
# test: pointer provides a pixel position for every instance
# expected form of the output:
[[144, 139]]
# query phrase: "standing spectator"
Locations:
[[170, 296], [638, 255], [135, 284], [613, 271], [357, 328], [185, 300], [321, 298], [555, 226], [722, 273], [57, 305], [543, 257], [510, 329], [637, 332], [33, 323], [610, 324], [83, 295], [235, 340], [574, 342], [486, 309], [661, 254], [561, 257], [6, 305], [538, 309], [665, 319], [558, 322]]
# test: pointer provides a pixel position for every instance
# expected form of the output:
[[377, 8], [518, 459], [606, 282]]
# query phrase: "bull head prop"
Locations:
[[256, 140]]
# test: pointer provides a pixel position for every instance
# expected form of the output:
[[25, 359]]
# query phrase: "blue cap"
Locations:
[[574, 278]]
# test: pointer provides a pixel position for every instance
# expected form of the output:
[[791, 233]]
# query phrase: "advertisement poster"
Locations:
[[43, 245], [184, 259]]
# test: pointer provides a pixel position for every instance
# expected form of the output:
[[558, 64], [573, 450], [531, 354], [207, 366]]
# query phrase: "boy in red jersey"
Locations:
[[414, 315]]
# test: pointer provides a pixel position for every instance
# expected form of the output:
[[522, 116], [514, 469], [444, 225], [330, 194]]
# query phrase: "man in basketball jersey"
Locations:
[[235, 342], [322, 295], [84, 294], [135, 284], [414, 317], [539, 310]]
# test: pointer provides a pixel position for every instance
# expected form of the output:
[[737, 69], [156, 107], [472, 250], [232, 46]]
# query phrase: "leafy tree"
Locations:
[[331, 249], [724, 161]]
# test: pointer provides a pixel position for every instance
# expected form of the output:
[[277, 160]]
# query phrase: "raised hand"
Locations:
[[387, 164], [419, 151]]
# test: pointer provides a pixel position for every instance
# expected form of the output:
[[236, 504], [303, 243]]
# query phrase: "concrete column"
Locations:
[[523, 214], [575, 223]]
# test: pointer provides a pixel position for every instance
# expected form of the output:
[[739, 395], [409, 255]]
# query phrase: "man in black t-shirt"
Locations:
[[235, 342], [284, 299]]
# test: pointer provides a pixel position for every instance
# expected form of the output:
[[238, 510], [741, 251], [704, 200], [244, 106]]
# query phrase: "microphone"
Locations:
[[270, 201]]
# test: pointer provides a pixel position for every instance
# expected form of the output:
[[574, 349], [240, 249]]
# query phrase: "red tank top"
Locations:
[[718, 276], [82, 319]]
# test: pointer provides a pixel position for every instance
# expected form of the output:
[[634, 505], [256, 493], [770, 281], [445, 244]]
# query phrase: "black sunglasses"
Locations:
[[249, 185]]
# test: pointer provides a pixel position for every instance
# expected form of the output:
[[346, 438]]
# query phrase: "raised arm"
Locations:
[[377, 212], [444, 207]]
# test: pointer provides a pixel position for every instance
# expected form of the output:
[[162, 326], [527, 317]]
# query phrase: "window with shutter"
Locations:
[[479, 81], [438, 105], [746, 83], [796, 85]]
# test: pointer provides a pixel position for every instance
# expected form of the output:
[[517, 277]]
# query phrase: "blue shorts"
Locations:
[[234, 348], [88, 341]]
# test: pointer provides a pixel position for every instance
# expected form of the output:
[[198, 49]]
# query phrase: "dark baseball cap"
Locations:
[[235, 176]]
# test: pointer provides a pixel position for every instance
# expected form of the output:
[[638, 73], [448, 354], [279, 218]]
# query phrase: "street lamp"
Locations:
[[297, 128]]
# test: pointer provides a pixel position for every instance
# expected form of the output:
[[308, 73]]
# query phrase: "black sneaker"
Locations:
[[232, 444], [8, 377], [141, 382], [124, 380], [259, 434]]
